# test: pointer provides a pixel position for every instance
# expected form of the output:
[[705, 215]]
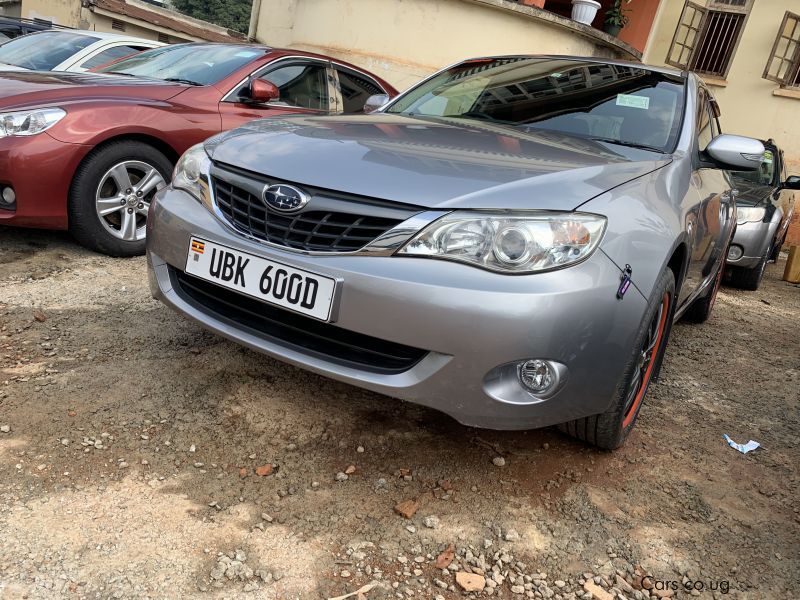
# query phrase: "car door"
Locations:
[[304, 86], [708, 222], [784, 198], [353, 88]]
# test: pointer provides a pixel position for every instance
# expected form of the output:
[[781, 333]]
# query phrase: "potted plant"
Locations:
[[615, 18], [536, 3], [584, 11]]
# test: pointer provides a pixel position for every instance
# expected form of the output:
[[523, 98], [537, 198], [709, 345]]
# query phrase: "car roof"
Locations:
[[100, 35]]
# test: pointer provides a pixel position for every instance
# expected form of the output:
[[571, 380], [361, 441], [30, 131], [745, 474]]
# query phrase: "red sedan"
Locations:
[[87, 151]]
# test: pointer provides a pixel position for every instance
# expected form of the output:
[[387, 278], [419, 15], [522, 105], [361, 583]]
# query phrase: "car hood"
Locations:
[[27, 89], [435, 163], [751, 193]]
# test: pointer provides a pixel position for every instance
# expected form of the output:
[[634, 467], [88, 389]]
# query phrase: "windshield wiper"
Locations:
[[117, 73], [180, 80], [628, 144]]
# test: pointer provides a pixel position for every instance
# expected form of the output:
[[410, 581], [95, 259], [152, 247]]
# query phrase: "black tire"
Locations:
[[85, 224], [609, 430], [749, 279]]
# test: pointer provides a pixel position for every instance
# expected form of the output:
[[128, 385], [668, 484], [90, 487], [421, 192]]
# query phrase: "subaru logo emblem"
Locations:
[[284, 198]]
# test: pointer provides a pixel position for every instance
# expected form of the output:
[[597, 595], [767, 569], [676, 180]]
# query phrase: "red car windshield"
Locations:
[[196, 64]]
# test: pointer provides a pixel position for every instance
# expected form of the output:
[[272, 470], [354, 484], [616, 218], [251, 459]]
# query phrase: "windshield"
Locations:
[[43, 51], [199, 64], [612, 103]]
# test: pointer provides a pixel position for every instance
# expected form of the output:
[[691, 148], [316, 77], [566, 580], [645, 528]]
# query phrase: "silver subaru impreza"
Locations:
[[509, 241]]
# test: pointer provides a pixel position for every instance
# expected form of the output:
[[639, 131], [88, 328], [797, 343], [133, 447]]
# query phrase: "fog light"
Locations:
[[537, 376], [8, 196], [735, 252]]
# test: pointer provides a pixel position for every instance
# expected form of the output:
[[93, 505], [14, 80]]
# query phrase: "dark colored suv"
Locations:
[[11, 27]]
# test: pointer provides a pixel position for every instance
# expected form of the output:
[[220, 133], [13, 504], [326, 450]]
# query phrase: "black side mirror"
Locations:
[[792, 182]]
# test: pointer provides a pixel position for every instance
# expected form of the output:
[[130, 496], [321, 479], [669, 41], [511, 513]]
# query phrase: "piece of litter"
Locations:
[[359, 593], [743, 448]]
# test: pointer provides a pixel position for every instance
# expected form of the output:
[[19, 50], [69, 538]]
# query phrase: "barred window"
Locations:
[[783, 66], [706, 37]]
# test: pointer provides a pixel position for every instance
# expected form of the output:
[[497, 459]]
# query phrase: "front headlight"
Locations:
[[520, 242], [191, 172], [749, 214], [29, 122]]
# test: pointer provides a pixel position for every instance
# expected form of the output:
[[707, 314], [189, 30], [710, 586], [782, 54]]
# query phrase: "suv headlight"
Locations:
[[191, 172], [29, 122], [514, 242], [749, 214]]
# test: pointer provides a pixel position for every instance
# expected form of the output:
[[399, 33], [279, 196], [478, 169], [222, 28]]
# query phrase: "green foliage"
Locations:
[[233, 14], [615, 15]]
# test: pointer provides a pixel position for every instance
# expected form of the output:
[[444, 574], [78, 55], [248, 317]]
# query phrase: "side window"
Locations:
[[704, 132], [108, 55], [766, 170], [355, 89], [301, 84]]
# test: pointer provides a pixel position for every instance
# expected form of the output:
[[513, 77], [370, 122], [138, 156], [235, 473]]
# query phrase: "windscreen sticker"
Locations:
[[633, 101]]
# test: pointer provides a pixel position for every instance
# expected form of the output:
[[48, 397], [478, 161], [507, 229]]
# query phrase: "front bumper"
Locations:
[[753, 240], [39, 168], [472, 323]]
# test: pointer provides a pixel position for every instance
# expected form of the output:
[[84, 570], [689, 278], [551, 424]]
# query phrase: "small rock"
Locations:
[[5, 428], [350, 470], [499, 461], [192, 448], [470, 582], [407, 508], [517, 589], [341, 476], [345, 573], [360, 449], [431, 521], [511, 535], [264, 470], [596, 591]]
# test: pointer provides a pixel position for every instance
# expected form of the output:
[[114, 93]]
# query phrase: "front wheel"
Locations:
[[111, 194], [749, 279], [609, 430]]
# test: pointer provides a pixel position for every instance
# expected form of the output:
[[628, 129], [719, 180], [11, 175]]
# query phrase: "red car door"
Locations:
[[305, 87]]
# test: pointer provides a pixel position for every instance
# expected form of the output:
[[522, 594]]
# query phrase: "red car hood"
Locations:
[[27, 89]]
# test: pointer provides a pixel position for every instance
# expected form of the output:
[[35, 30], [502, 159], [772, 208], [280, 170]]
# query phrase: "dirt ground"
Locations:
[[130, 440]]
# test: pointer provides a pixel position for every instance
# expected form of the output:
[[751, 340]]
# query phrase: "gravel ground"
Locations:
[[143, 457]]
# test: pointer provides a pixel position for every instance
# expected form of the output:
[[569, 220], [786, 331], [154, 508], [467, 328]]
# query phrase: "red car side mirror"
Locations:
[[262, 91]]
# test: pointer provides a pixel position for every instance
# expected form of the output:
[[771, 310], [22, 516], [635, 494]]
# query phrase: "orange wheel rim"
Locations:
[[647, 360]]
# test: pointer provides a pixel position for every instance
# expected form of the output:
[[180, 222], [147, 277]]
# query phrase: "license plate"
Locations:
[[266, 280]]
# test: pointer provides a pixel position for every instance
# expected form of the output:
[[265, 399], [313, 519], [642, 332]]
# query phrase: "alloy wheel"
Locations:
[[646, 361], [123, 198]]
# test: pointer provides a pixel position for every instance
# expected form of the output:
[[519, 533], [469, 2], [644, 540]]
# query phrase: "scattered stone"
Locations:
[[360, 449], [192, 448], [446, 557], [5, 428], [431, 522], [470, 582], [264, 470], [341, 476], [407, 508], [511, 535], [517, 589], [350, 470], [596, 591], [39, 316], [499, 461]]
